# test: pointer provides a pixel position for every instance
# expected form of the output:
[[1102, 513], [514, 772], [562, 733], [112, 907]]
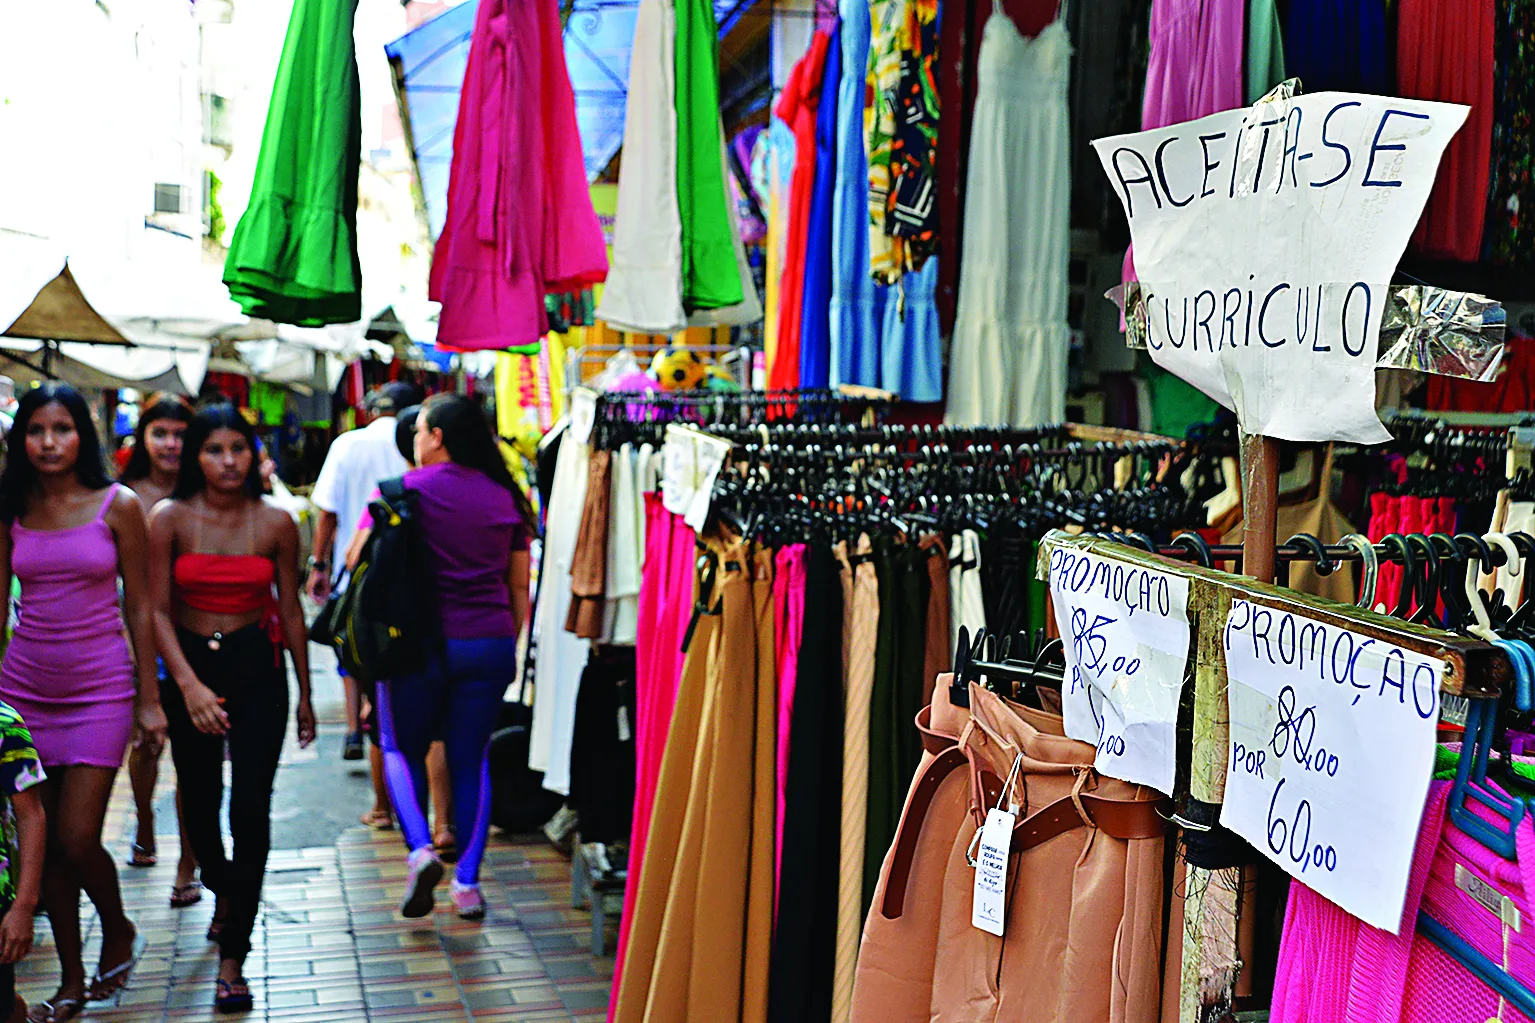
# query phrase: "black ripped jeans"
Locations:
[[247, 671]]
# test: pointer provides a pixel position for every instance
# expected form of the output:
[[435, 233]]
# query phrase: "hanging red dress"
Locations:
[[1445, 52], [797, 108], [520, 222]]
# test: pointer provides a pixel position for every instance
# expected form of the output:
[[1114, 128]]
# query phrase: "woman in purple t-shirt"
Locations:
[[475, 523]]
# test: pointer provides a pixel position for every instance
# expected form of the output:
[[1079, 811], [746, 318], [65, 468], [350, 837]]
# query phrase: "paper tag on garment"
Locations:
[[1488, 897], [989, 909], [624, 734]]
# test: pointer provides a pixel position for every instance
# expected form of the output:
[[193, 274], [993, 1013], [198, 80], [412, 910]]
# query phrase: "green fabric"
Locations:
[[1447, 760], [1175, 405], [20, 769], [293, 257], [1265, 49], [710, 277], [269, 401], [1039, 592]]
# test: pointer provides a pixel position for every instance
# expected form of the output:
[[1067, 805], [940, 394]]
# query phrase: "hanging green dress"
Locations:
[[710, 277], [293, 258]]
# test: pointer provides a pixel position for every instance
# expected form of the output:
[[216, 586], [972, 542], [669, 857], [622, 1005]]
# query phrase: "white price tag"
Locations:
[[1332, 749], [988, 910], [624, 733], [1126, 632]]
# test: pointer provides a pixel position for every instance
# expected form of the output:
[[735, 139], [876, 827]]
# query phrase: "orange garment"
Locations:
[[797, 108]]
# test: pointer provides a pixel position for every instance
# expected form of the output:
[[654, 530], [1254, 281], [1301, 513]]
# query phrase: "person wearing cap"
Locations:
[[355, 465]]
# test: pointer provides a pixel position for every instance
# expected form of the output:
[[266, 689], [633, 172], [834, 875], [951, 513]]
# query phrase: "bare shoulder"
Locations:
[[125, 502], [167, 514], [275, 520]]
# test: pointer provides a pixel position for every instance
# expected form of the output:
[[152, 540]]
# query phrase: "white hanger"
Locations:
[[1371, 560]]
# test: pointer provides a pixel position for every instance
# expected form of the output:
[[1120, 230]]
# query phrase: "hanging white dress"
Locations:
[[643, 293], [1008, 358]]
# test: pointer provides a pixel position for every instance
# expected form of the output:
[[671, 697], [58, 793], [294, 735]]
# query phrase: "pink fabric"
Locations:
[[1335, 968], [665, 607], [1196, 67], [520, 222], [789, 627]]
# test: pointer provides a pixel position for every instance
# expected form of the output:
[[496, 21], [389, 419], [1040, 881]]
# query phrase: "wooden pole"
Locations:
[[1260, 505]]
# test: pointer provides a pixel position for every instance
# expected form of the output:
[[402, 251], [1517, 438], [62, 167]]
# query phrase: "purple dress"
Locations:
[[67, 670]]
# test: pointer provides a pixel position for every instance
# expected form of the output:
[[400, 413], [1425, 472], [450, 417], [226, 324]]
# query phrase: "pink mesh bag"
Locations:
[[1333, 968]]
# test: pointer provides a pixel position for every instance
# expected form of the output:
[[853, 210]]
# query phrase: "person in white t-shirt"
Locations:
[[355, 465]]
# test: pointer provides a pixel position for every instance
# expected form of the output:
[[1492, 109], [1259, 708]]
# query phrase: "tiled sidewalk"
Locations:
[[330, 946]]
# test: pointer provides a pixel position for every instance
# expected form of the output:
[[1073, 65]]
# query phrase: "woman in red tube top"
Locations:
[[224, 574], [70, 535]]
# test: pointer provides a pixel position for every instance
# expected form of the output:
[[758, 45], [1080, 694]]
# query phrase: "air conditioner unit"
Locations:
[[169, 198]]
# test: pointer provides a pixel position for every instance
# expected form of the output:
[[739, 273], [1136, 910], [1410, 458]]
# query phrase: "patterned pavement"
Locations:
[[330, 945]]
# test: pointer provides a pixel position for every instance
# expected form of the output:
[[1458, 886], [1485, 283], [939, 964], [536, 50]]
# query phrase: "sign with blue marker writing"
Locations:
[[1332, 749], [1265, 240], [1125, 629]]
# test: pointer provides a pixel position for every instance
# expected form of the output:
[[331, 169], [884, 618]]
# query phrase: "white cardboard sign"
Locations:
[[1126, 634], [1265, 239], [1332, 750]]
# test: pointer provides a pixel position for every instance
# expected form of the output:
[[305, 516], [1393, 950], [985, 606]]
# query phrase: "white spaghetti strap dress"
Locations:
[[1008, 359]]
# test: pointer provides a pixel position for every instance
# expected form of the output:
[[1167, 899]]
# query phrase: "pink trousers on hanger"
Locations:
[[665, 607]]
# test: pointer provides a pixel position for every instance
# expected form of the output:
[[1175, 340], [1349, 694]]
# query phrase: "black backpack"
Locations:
[[383, 625]]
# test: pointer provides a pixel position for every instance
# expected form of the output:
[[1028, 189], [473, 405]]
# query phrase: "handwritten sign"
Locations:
[[1126, 633], [1265, 241], [1332, 748]]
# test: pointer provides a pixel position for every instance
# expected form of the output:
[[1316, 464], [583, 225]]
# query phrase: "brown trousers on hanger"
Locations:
[[1083, 933], [700, 940], [860, 630], [589, 566]]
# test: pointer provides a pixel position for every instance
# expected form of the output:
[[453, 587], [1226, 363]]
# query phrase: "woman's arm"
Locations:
[[294, 634], [5, 581], [355, 548], [202, 705], [128, 524], [517, 582]]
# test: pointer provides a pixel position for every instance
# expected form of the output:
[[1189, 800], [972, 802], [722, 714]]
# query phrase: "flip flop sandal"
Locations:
[[378, 820], [56, 1010], [142, 857], [184, 895], [118, 976], [231, 998], [215, 929]]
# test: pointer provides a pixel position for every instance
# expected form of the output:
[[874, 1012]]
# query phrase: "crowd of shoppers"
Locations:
[[160, 607]]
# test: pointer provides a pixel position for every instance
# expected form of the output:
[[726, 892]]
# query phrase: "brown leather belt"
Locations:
[[1119, 818]]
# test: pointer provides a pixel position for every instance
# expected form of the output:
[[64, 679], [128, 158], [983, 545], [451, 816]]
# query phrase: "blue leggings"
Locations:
[[457, 698]]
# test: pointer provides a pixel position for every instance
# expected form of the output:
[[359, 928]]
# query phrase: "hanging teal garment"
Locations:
[[293, 258], [1265, 49]]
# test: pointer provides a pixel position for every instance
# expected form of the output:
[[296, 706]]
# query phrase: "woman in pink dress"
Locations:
[[70, 535]]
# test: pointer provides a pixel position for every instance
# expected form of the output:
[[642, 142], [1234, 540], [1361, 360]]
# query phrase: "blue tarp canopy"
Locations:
[[429, 64]]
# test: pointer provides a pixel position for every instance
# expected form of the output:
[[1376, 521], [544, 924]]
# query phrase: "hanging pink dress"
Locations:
[[520, 222], [1196, 68]]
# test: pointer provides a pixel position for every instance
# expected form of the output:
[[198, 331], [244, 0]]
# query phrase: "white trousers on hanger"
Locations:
[[643, 293], [966, 607], [562, 655]]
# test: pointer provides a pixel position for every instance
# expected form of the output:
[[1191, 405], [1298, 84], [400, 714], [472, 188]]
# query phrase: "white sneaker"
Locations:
[[425, 874]]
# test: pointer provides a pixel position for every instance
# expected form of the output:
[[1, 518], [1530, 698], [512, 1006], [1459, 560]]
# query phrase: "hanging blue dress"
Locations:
[[815, 308], [877, 340], [1337, 45]]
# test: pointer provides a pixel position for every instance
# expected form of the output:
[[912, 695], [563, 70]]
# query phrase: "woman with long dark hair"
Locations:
[[71, 536], [475, 523], [151, 473], [217, 552]]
